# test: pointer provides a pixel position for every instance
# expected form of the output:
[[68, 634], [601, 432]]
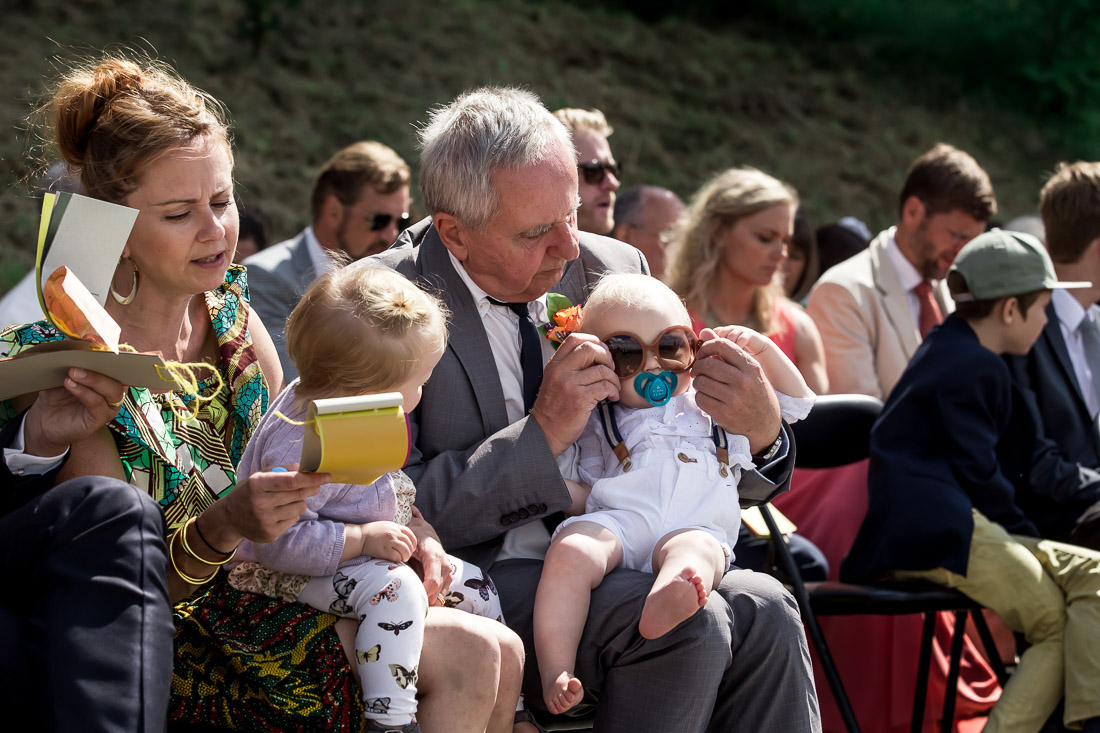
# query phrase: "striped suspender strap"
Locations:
[[721, 444], [615, 439], [611, 433]]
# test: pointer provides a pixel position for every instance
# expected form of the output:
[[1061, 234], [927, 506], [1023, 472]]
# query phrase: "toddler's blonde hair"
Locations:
[[362, 329]]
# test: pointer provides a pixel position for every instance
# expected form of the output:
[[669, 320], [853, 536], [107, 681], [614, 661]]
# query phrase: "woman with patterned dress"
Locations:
[[142, 137]]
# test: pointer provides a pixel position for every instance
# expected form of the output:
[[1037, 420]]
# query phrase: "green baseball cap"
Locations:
[[1000, 263]]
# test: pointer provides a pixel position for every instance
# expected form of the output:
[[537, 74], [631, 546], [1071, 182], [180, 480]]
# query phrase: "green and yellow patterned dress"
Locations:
[[242, 661]]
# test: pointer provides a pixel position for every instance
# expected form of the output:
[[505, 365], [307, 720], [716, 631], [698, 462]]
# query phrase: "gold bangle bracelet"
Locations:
[[187, 548], [184, 576]]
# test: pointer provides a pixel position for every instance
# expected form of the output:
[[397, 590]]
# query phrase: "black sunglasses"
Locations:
[[595, 172], [378, 222]]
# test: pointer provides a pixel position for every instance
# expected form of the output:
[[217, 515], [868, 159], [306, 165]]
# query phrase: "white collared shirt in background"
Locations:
[[318, 256], [908, 275]]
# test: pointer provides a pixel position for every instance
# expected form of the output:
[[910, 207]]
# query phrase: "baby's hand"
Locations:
[[752, 342], [388, 541], [579, 494]]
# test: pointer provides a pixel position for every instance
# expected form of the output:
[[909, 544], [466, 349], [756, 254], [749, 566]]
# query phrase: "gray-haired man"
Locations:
[[499, 176]]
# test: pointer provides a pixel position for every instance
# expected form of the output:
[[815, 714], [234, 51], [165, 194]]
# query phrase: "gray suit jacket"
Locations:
[[277, 278], [478, 476], [866, 323]]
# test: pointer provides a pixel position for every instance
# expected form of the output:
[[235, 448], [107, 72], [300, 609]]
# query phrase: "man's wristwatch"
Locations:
[[769, 453]]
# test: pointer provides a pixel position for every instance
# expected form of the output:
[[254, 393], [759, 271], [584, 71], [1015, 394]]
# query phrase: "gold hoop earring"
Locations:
[[126, 299]]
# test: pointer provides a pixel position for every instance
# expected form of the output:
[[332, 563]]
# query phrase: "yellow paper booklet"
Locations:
[[754, 520], [356, 439], [87, 235]]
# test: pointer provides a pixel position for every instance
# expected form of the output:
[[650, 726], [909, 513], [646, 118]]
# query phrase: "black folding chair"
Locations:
[[836, 433]]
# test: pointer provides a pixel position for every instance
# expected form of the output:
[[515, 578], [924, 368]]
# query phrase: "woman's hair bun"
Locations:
[[81, 99]]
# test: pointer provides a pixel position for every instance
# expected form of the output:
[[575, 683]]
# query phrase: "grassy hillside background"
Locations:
[[687, 97]]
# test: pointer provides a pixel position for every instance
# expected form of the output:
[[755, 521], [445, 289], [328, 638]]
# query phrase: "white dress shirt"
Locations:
[[318, 256], [19, 463], [1071, 314], [502, 328], [908, 275]]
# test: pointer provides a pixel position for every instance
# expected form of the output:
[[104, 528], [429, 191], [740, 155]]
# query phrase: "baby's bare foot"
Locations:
[[666, 606], [562, 693]]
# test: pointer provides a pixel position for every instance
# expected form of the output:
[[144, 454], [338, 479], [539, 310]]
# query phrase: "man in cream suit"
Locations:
[[874, 309], [499, 176], [360, 203]]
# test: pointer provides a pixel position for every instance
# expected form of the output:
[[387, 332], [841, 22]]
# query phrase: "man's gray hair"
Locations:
[[465, 141]]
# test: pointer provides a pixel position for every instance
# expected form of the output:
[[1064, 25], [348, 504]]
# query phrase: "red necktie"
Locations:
[[930, 315]]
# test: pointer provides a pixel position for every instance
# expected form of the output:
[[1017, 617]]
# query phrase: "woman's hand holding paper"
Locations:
[[71, 413]]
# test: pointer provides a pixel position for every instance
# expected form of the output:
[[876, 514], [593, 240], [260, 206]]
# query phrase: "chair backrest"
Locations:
[[836, 432]]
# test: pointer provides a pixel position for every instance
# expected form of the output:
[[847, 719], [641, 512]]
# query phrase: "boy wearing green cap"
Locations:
[[947, 454]]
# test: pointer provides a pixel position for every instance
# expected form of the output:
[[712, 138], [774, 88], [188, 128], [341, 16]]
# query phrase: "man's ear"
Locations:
[[912, 212], [332, 212], [1093, 250], [452, 234], [1010, 309]]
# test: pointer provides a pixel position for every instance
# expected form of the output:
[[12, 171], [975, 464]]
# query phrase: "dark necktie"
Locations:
[[530, 352], [530, 358], [930, 315]]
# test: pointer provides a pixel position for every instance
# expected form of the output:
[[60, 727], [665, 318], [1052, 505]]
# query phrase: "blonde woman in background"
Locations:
[[725, 261]]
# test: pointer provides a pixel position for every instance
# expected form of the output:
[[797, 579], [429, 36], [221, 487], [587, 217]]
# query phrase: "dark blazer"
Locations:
[[1064, 480], [277, 278], [477, 475], [948, 440]]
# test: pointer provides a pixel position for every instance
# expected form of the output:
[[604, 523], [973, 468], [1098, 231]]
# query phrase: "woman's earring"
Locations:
[[126, 299]]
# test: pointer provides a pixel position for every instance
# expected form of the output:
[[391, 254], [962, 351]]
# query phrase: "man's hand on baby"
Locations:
[[731, 387], [575, 380], [388, 541]]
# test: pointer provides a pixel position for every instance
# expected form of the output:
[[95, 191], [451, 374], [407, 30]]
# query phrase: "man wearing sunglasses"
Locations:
[[498, 174], [597, 171], [360, 204]]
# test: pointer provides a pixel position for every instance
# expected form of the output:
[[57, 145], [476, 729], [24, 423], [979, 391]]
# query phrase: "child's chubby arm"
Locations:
[[429, 559], [781, 372], [382, 539], [578, 492]]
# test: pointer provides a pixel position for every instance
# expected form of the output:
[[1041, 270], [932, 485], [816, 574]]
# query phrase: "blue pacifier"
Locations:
[[657, 389]]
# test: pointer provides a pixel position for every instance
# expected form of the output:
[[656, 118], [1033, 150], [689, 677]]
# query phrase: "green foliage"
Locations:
[[689, 94], [261, 19], [1040, 58]]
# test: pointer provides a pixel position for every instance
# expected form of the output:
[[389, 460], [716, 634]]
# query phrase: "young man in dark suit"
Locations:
[[1059, 377], [947, 453]]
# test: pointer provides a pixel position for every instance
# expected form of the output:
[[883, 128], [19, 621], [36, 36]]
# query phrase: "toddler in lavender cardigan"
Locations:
[[358, 331]]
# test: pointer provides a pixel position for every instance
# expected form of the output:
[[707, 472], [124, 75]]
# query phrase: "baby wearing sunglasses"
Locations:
[[659, 475]]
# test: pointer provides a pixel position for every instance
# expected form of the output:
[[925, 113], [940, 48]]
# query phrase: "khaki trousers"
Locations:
[[1050, 592]]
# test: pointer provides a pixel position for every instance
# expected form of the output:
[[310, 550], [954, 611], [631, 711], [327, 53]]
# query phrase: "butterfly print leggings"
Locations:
[[388, 599]]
